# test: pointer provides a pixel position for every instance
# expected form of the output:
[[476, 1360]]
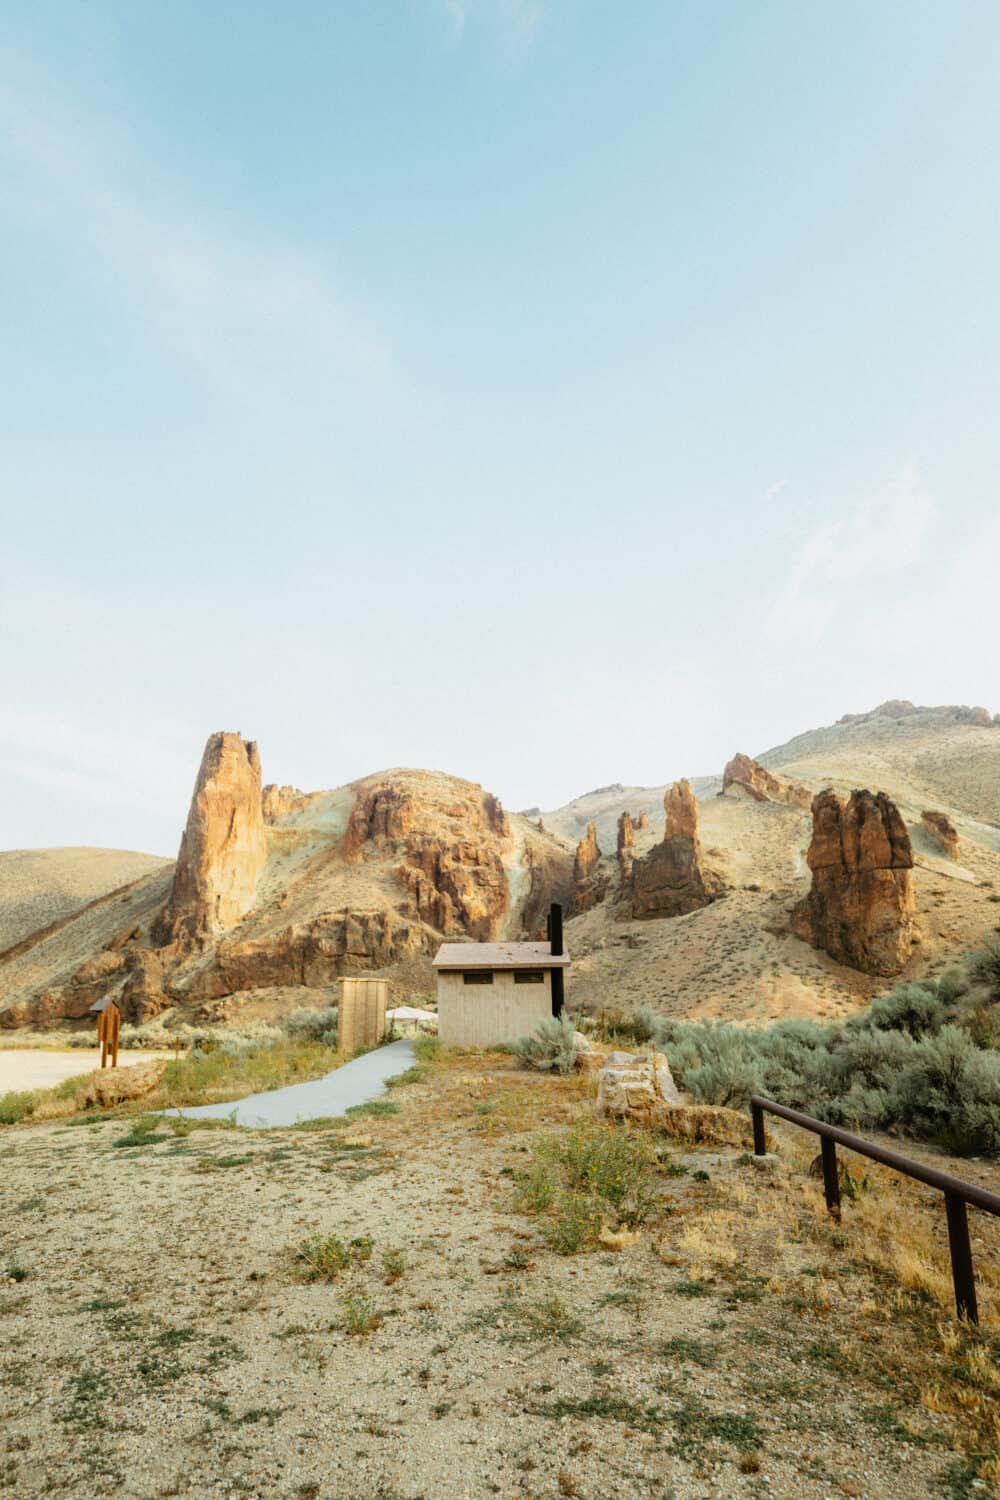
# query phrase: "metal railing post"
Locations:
[[958, 1194], [962, 1273], [759, 1138], [831, 1177]]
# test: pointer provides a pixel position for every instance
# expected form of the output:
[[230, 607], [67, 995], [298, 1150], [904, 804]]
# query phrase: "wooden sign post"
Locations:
[[109, 1024]]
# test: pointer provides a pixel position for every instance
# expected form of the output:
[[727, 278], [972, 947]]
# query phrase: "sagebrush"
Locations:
[[920, 1058]]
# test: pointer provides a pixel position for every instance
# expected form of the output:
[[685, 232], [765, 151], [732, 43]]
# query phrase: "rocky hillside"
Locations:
[[736, 895], [747, 955], [42, 886], [276, 893]]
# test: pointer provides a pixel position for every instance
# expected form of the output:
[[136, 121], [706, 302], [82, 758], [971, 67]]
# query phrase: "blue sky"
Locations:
[[553, 393]]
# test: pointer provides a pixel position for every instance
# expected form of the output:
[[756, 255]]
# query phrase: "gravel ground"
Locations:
[[158, 1343], [23, 1068]]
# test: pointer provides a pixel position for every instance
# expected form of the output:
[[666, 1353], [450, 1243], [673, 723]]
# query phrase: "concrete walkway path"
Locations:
[[357, 1082]]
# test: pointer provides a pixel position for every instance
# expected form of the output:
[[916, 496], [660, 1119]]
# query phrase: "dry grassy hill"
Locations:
[[373, 875], [42, 886]]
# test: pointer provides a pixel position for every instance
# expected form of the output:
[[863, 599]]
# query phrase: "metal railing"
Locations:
[[956, 1192]]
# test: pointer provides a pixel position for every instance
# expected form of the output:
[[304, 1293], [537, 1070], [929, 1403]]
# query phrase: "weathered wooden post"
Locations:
[[109, 1024]]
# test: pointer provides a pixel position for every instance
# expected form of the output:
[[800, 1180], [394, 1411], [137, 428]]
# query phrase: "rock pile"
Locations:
[[636, 1086], [942, 830], [861, 908], [748, 777]]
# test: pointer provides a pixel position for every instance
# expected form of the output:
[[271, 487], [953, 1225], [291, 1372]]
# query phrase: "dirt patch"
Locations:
[[373, 1310]]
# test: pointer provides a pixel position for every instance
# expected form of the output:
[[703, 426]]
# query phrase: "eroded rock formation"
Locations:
[[278, 802], [671, 879], [626, 844], [942, 830], [746, 776], [223, 847], [590, 883], [450, 855], [860, 909], [313, 953], [588, 854]]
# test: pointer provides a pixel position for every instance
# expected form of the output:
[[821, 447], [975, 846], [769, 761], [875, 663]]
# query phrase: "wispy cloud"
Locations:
[[263, 321], [105, 766], [517, 21], [882, 534], [945, 630]]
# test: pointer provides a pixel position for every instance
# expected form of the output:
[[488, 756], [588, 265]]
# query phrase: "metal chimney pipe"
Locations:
[[555, 928], [556, 949]]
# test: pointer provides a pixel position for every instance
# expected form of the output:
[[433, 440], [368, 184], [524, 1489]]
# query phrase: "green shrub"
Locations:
[[986, 968], [535, 1189], [15, 1107], [920, 1058], [324, 1257], [920, 1009], [576, 1224], [551, 1046], [427, 1049], [591, 1176], [621, 1027], [612, 1164], [313, 1025]]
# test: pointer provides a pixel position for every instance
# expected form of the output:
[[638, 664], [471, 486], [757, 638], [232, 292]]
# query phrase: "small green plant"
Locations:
[[359, 1315], [142, 1133], [610, 1163], [84, 1395], [16, 1273], [374, 1107], [393, 1265], [428, 1049], [693, 1350], [535, 1189], [607, 1406], [417, 1074], [551, 1319], [325, 1257], [577, 1224], [695, 1425]]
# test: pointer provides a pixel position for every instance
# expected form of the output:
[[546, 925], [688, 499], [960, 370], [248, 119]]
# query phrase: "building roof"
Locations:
[[100, 1005], [499, 956]]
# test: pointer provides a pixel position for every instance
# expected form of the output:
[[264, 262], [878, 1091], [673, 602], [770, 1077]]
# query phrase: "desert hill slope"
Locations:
[[277, 892], [947, 756], [41, 886]]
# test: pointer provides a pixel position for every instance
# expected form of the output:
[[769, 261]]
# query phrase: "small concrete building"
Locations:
[[490, 992]]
